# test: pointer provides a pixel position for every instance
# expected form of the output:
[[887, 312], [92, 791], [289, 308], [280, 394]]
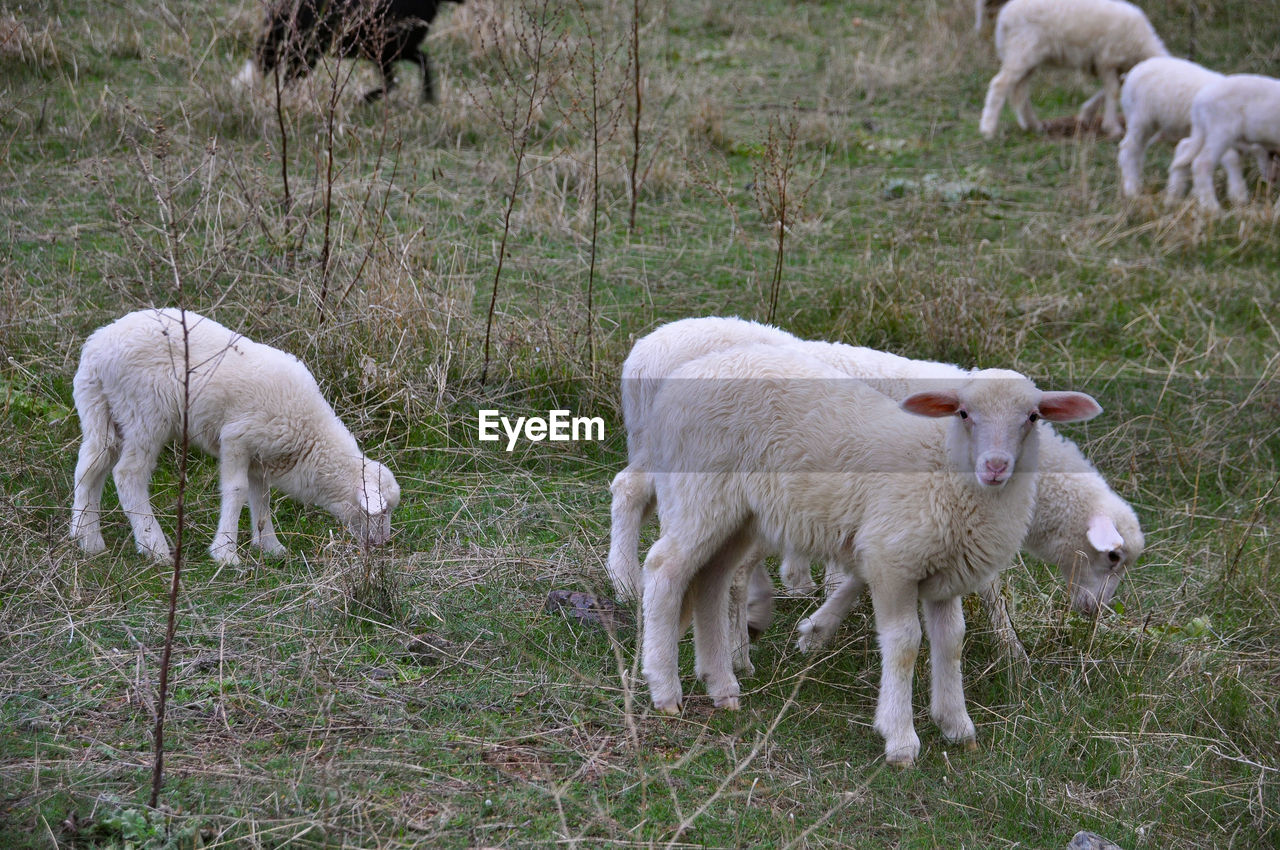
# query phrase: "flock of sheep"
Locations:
[[915, 481], [1217, 117]]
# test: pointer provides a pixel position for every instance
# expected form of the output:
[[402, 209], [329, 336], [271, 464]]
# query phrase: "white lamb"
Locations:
[[254, 407], [1080, 523], [1235, 111], [1156, 99], [652, 358], [765, 442], [1105, 37]]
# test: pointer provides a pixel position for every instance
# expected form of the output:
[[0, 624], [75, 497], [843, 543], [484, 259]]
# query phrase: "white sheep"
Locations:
[[1080, 524], [254, 407], [1156, 100], [1235, 111], [765, 442], [652, 358], [1106, 37]]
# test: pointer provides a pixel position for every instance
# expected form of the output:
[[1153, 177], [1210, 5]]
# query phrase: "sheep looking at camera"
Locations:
[[764, 442], [1242, 110], [1105, 37], [254, 407], [298, 32]]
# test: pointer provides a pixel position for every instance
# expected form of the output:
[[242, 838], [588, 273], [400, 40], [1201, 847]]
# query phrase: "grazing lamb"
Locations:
[[1235, 111], [765, 442], [297, 32], [1156, 99], [254, 407], [1106, 37]]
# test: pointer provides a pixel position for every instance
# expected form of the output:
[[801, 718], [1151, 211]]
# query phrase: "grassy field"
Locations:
[[423, 696]]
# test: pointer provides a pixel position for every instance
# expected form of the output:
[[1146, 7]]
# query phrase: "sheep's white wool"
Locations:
[[1105, 37], [1235, 111], [256, 408], [765, 441]]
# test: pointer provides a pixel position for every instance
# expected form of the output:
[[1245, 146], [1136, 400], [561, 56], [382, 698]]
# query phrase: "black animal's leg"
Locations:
[[428, 85], [387, 67]]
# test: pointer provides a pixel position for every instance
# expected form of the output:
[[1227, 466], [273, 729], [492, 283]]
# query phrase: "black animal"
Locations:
[[298, 32]]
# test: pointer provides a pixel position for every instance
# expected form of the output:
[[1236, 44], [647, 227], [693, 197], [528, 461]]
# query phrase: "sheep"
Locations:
[[651, 359], [1156, 101], [1081, 541], [1239, 110], [254, 407], [765, 442], [1080, 523], [297, 32], [1106, 37]]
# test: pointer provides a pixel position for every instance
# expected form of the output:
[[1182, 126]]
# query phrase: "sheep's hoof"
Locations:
[[970, 745], [901, 761], [670, 710], [727, 703], [811, 637]]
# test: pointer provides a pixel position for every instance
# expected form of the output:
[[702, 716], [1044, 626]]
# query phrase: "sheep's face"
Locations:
[[374, 499], [996, 411], [1101, 560]]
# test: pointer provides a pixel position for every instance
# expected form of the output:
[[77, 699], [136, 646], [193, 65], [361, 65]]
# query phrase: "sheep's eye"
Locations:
[[1035, 417], [963, 414], [1114, 556]]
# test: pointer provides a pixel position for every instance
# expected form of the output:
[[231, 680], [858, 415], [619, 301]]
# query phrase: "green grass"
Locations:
[[301, 715]]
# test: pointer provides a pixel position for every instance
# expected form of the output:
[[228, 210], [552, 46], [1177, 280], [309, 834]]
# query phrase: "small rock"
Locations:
[[431, 648], [588, 608], [1090, 841]]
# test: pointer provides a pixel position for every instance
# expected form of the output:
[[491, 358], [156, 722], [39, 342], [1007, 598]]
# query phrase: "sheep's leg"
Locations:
[[944, 623], [750, 606], [997, 94], [1110, 112], [713, 649], [1021, 101], [1133, 151], [1237, 188], [797, 573], [759, 593], [234, 471], [264, 533], [1180, 168], [817, 629], [669, 568], [631, 505], [133, 478], [898, 629], [979, 15], [998, 613], [1202, 168], [98, 453], [1089, 109]]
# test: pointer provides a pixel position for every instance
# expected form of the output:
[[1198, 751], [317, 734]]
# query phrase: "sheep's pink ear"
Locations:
[[1103, 534], [1068, 407], [935, 403]]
